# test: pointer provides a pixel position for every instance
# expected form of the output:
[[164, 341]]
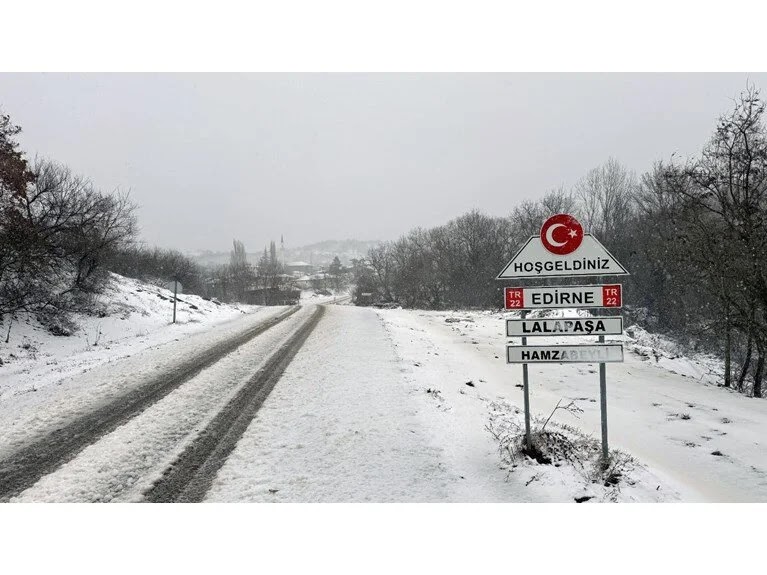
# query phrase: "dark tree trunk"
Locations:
[[727, 353], [749, 348], [758, 375], [746, 363]]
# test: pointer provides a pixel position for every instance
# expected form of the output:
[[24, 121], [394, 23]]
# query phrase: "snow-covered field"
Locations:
[[701, 442]]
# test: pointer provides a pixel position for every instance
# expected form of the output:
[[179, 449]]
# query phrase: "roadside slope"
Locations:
[[30, 416], [130, 317]]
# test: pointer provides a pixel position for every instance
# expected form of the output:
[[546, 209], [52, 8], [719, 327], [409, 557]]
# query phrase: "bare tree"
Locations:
[[527, 217], [382, 262], [16, 285], [729, 194], [241, 273], [62, 234], [605, 199]]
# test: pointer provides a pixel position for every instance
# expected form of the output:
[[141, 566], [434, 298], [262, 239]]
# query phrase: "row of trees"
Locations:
[[708, 219], [230, 282], [158, 265], [57, 232], [693, 234]]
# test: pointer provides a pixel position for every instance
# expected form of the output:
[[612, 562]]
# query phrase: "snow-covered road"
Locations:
[[30, 416], [124, 463], [344, 425], [338, 427]]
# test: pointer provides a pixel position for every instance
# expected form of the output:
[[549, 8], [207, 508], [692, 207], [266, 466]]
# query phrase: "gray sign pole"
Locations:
[[175, 293], [603, 406], [526, 389]]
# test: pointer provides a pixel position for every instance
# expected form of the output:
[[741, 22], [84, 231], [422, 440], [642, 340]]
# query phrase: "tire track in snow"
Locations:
[[190, 476], [27, 465]]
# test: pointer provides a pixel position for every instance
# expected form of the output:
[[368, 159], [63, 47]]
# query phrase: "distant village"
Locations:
[[273, 279]]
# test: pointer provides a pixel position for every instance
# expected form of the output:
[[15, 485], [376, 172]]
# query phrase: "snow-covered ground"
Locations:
[[63, 379], [134, 316], [378, 405], [369, 410], [124, 463], [702, 442]]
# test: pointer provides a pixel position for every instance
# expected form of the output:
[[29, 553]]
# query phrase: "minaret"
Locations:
[[282, 249]]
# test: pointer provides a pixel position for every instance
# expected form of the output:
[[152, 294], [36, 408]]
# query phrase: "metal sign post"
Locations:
[[175, 294], [526, 393], [603, 405]]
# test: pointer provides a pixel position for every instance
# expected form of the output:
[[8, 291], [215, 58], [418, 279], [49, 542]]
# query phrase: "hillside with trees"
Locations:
[[693, 234], [58, 233]]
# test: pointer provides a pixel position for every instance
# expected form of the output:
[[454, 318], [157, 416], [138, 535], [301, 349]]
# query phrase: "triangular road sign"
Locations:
[[535, 261]]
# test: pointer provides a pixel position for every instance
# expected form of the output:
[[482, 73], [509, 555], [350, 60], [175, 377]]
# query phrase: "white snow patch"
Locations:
[[666, 354], [671, 423]]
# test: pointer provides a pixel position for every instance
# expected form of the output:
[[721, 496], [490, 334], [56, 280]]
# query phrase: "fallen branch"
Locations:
[[571, 407]]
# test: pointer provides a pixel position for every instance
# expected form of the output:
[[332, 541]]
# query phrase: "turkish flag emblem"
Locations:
[[561, 234]]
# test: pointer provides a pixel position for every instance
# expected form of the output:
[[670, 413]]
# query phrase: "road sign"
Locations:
[[564, 326], [564, 297], [562, 249], [591, 353], [536, 260]]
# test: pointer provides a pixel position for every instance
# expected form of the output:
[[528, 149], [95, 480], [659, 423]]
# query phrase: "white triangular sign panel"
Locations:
[[535, 261]]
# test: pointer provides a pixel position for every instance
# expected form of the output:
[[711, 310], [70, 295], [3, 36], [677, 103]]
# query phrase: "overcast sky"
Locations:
[[327, 156]]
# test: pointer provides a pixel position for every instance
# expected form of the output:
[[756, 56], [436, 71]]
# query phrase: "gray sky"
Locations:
[[211, 157]]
